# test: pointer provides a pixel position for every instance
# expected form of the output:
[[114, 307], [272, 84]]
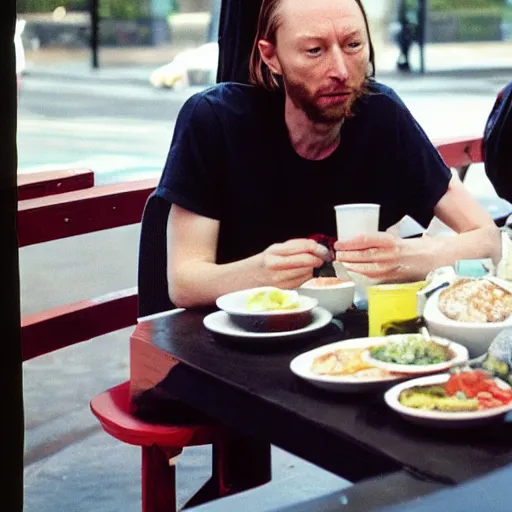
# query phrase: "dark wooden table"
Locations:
[[252, 390]]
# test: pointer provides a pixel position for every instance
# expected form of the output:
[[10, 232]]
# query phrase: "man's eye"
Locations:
[[314, 51], [354, 45]]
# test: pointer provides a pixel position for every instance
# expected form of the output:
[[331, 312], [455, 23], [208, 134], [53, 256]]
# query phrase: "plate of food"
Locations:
[[470, 311], [452, 400], [415, 354], [340, 367], [268, 309]]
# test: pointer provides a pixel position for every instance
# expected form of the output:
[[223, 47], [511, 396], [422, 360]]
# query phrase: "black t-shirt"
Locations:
[[231, 160]]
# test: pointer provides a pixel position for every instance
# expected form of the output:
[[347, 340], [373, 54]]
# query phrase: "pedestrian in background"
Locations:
[[408, 17]]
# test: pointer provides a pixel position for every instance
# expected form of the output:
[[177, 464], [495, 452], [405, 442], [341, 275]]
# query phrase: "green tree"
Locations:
[[452, 5]]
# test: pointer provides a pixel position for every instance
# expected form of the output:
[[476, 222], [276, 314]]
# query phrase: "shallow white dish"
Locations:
[[335, 298], [301, 366], [476, 336], [439, 418], [460, 355], [220, 322]]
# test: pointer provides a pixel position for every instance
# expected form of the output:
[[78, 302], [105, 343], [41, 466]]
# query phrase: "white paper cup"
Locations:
[[353, 220]]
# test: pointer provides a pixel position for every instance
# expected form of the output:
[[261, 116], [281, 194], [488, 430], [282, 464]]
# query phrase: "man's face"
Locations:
[[322, 53]]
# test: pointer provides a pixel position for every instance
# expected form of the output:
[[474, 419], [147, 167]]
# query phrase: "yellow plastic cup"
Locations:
[[391, 303]]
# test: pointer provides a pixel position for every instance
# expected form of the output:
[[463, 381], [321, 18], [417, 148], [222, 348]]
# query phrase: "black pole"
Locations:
[[422, 31], [95, 26], [12, 423]]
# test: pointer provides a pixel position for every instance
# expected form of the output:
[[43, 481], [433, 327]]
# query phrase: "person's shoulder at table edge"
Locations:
[[229, 98]]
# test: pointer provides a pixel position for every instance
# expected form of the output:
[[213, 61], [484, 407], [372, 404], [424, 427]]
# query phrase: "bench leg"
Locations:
[[158, 479]]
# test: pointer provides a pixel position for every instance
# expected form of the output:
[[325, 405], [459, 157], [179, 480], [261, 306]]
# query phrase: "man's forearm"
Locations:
[[200, 283], [484, 242]]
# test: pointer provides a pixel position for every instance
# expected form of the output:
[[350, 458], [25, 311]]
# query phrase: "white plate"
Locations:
[[439, 418], [220, 323], [301, 366], [460, 352]]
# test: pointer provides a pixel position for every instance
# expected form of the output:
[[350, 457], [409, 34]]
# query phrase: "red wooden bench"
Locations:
[[460, 153], [58, 205], [75, 213]]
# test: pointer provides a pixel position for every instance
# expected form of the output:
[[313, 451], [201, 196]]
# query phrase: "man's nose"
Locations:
[[338, 67]]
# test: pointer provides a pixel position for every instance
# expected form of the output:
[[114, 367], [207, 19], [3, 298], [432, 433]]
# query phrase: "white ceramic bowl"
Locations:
[[439, 418], [476, 336], [334, 298], [235, 305]]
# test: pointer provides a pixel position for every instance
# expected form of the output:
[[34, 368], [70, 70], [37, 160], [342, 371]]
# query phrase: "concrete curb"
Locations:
[[89, 77]]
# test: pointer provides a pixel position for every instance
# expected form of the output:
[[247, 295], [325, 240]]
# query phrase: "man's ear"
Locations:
[[269, 56]]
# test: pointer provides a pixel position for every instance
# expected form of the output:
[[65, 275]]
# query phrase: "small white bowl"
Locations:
[[476, 336], [334, 298], [235, 305]]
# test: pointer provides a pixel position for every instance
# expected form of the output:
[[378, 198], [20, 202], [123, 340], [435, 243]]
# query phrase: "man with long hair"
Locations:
[[255, 170]]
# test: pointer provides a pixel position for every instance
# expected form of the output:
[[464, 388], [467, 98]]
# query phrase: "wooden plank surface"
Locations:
[[73, 323], [460, 152], [41, 184], [86, 211]]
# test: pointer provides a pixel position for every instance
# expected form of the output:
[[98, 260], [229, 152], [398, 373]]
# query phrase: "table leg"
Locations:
[[239, 463], [242, 462]]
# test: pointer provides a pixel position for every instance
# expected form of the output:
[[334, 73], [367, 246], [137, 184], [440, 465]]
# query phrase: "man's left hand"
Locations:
[[380, 256]]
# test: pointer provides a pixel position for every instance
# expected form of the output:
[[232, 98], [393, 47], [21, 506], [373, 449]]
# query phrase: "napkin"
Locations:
[[439, 228], [361, 281]]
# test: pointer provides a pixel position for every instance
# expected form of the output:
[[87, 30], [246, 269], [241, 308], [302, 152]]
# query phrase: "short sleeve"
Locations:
[[192, 173], [425, 175]]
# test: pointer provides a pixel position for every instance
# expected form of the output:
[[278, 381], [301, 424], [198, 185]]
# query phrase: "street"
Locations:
[[106, 127], [122, 131]]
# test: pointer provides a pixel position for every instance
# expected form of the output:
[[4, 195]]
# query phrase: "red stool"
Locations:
[[160, 444]]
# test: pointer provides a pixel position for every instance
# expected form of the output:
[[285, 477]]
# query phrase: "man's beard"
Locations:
[[330, 114]]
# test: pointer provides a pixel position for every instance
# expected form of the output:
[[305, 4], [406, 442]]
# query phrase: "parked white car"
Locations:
[[195, 67], [19, 50]]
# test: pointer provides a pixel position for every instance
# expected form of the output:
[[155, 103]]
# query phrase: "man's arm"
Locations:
[[195, 279], [478, 237]]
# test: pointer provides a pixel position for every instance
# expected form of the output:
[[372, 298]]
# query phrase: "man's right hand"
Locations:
[[290, 264], [195, 279]]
